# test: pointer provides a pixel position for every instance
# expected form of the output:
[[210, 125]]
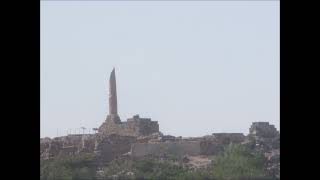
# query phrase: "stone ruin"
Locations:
[[138, 137], [67, 145], [110, 146], [263, 129], [264, 136], [114, 137], [135, 126]]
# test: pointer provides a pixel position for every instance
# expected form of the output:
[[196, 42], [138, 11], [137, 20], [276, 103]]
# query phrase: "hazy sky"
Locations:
[[195, 67]]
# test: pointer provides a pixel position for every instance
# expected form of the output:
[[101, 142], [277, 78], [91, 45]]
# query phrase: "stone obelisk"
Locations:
[[113, 105], [113, 109]]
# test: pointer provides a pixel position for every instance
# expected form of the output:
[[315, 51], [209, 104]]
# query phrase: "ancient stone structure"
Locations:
[[263, 129], [211, 145], [135, 126], [265, 138], [109, 147], [179, 148], [113, 105], [207, 145], [138, 137], [67, 145]]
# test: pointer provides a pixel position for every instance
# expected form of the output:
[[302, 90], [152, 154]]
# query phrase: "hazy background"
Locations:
[[195, 67]]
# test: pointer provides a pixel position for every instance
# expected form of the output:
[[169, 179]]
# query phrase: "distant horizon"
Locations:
[[195, 67]]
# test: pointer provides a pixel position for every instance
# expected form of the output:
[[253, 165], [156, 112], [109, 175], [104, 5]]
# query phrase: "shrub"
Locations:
[[67, 167], [238, 162]]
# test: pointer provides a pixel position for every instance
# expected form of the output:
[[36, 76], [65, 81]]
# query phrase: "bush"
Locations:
[[67, 167], [154, 169], [198, 175], [238, 162], [60, 173]]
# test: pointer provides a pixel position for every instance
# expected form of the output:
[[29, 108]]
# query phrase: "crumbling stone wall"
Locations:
[[208, 145], [50, 148], [128, 138], [88, 143], [135, 126], [178, 148], [67, 145], [266, 139], [211, 145], [109, 147], [264, 136], [263, 129], [226, 138]]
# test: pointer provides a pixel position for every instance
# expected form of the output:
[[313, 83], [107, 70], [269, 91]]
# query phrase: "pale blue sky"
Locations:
[[195, 67]]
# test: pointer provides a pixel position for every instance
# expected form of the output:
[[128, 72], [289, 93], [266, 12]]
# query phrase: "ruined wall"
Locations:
[[135, 126], [179, 148], [263, 129], [67, 145], [109, 147], [208, 145], [211, 145], [264, 136], [50, 148]]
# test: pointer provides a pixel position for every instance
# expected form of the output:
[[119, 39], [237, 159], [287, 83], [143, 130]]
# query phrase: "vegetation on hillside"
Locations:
[[68, 168], [152, 169], [235, 162], [238, 162]]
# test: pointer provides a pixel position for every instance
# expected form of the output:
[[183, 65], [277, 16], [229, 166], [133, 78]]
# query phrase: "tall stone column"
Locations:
[[113, 119], [113, 109]]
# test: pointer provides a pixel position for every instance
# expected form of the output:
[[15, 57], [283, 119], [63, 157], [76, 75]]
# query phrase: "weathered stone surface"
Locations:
[[179, 148], [226, 138], [133, 127], [263, 129], [211, 145], [113, 106], [208, 145], [109, 147], [51, 148], [266, 139], [196, 162], [67, 145], [154, 137]]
